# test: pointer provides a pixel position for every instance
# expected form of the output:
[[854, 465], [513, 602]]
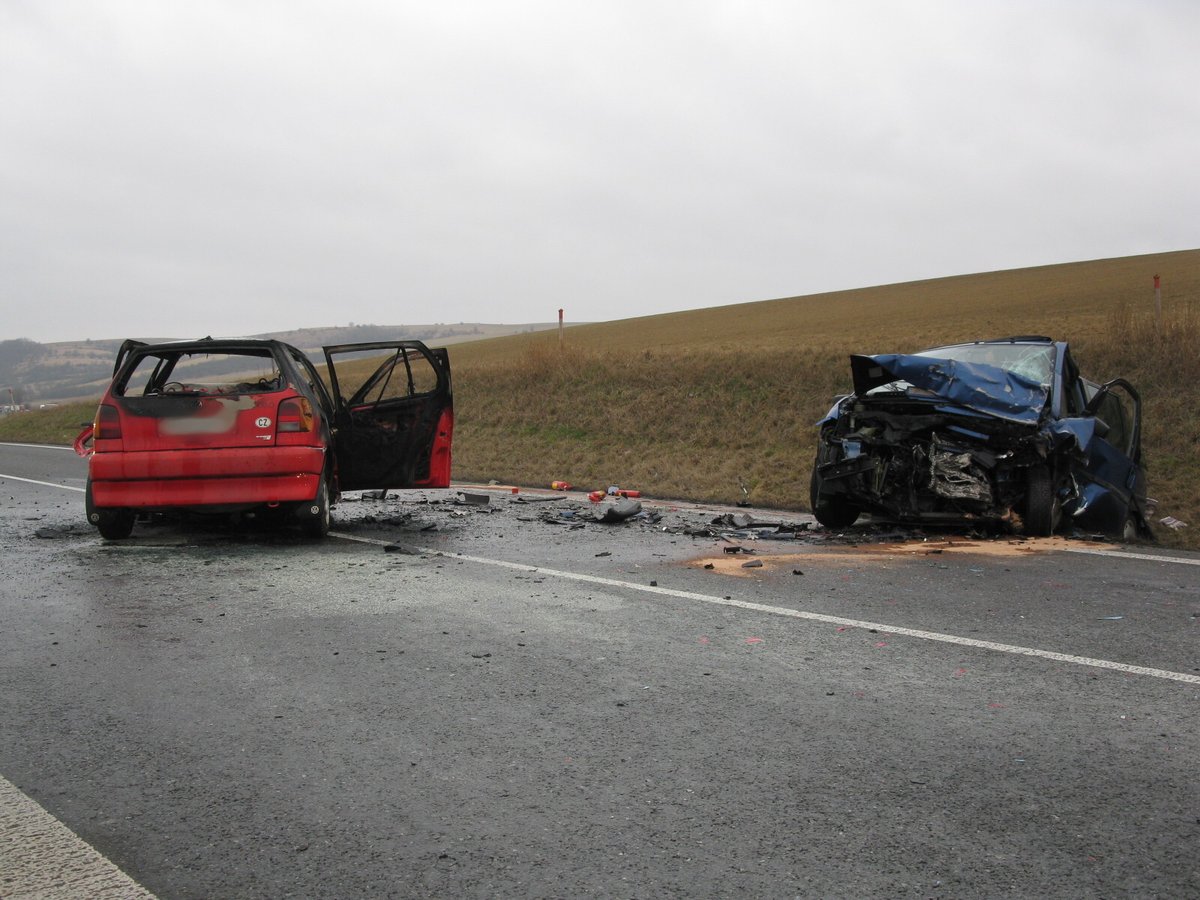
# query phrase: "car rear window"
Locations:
[[206, 373]]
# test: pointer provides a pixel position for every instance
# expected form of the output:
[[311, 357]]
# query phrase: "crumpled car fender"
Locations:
[[1078, 431], [834, 412]]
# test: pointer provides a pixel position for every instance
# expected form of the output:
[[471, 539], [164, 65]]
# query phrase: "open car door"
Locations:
[[394, 415], [1113, 485]]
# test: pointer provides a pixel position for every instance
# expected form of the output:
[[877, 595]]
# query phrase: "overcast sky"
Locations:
[[186, 168]]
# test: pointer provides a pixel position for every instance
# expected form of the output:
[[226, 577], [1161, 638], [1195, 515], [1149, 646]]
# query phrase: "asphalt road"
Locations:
[[514, 700]]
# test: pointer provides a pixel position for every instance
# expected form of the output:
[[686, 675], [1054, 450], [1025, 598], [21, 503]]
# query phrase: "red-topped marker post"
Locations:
[[1157, 303]]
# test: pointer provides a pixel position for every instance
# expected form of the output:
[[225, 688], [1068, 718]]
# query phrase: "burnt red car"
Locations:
[[237, 425]]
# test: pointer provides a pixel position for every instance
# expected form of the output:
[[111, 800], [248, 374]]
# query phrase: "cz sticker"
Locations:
[[263, 422]]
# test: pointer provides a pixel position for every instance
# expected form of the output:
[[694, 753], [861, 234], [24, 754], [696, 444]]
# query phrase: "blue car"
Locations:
[[1004, 433]]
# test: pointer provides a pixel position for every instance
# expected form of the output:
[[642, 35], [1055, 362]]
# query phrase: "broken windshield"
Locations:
[[1034, 362]]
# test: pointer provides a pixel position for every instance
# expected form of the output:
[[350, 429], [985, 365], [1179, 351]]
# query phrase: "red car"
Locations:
[[229, 426]]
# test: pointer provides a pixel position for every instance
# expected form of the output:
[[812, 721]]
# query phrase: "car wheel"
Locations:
[[1042, 509], [113, 524], [316, 516], [831, 510]]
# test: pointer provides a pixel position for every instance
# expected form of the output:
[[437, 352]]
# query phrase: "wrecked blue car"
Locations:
[[1004, 433]]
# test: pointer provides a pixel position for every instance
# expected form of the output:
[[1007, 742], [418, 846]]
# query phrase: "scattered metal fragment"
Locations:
[[743, 520], [621, 511], [473, 499]]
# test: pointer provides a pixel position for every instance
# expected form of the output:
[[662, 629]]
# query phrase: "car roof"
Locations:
[[1019, 339], [209, 343]]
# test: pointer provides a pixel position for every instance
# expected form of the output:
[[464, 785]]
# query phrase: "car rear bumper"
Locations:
[[173, 479]]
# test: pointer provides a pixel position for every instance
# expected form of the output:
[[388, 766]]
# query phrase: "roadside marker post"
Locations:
[[1157, 304]]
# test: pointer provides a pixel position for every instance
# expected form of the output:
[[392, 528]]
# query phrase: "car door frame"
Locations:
[[1115, 470], [399, 441]]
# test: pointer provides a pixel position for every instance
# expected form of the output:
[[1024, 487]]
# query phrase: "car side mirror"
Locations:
[[1102, 427]]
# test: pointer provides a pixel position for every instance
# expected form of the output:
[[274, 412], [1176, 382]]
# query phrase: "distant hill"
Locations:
[[34, 374]]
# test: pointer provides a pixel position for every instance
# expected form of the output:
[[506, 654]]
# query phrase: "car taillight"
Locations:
[[107, 426], [295, 415]]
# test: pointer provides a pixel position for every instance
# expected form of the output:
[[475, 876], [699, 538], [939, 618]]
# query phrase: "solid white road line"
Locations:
[[41, 858], [1124, 554], [38, 446], [65, 487], [809, 616]]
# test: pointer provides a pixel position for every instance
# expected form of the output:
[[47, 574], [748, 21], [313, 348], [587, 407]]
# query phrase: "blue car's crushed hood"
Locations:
[[975, 387], [980, 388]]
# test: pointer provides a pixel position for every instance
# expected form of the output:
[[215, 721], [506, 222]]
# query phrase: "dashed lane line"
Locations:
[[42, 859], [1013, 649]]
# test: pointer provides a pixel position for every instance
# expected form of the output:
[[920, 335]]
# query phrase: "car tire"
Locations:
[[113, 524], [831, 510], [316, 513], [1042, 508]]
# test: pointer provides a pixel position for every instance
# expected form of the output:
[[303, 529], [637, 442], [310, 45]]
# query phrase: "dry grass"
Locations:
[[681, 424], [1161, 359], [57, 425]]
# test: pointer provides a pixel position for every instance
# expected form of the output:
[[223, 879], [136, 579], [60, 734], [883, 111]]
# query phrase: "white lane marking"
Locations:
[[65, 487], [1124, 554], [38, 446], [801, 614], [40, 857]]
